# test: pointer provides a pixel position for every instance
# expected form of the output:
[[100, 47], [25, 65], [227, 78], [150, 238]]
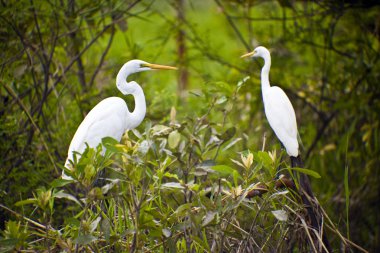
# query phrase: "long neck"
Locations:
[[265, 72], [138, 114], [134, 89]]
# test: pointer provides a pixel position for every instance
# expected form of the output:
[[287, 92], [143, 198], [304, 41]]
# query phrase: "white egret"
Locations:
[[111, 117], [282, 119], [278, 108]]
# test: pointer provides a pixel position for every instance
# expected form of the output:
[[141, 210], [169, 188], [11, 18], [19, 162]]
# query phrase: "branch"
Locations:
[[102, 58], [229, 19], [27, 219], [67, 68], [14, 95]]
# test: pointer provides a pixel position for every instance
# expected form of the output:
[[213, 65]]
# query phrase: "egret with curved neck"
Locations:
[[111, 117]]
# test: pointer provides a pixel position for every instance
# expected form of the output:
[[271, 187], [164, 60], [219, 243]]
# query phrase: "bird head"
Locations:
[[135, 66], [258, 52], [132, 67]]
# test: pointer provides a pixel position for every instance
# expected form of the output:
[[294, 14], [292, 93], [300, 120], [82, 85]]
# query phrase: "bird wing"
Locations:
[[281, 117], [106, 119]]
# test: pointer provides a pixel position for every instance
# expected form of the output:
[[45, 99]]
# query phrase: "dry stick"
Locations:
[[264, 140], [304, 225], [14, 95], [319, 237], [334, 229], [269, 237], [282, 236], [26, 218], [308, 234], [265, 202], [181, 49]]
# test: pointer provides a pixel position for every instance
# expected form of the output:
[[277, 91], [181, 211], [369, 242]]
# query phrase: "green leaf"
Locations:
[[61, 194], [223, 169], [26, 202], [218, 86], [109, 141], [8, 244], [85, 239], [143, 147], [232, 143], [166, 232], [221, 100], [241, 83], [207, 134], [264, 158], [105, 227], [307, 172], [171, 175], [280, 215], [160, 130], [174, 139], [94, 224], [106, 188], [209, 217], [60, 182], [72, 222], [226, 171], [172, 185], [110, 144], [183, 209], [228, 134]]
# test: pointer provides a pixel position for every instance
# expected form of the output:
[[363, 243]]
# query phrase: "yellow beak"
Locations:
[[248, 54], [156, 66]]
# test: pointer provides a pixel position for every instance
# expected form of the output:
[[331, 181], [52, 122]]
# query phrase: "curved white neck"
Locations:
[[265, 72], [134, 89]]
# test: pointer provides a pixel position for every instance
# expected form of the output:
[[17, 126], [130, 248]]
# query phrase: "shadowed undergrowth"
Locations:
[[169, 189]]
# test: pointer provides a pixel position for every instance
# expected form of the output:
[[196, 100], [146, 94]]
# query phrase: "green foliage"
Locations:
[[14, 236], [162, 197]]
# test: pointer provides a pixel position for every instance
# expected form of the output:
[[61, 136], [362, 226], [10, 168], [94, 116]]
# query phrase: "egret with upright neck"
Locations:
[[281, 117], [111, 117], [278, 108]]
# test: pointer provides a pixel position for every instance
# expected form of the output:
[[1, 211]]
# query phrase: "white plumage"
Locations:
[[111, 117], [278, 108]]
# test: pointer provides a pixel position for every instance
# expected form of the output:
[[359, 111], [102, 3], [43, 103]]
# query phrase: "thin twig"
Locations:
[[23, 107], [102, 58], [238, 33], [27, 219]]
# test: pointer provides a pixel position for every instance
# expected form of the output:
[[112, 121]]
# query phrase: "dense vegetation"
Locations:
[[198, 174]]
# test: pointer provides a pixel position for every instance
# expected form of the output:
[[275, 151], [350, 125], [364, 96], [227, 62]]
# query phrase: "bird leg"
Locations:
[[283, 180]]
